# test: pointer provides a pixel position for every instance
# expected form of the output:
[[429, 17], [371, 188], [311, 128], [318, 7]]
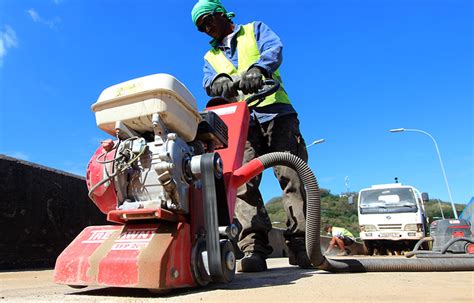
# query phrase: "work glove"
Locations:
[[222, 86], [252, 81]]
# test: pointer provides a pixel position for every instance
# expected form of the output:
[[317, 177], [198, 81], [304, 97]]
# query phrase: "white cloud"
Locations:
[[51, 23], [8, 40], [57, 1], [34, 15], [9, 36]]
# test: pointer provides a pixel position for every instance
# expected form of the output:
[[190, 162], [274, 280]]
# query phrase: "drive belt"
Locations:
[[210, 179]]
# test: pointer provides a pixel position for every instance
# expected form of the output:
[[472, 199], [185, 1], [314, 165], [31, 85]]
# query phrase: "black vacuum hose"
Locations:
[[313, 229], [443, 252]]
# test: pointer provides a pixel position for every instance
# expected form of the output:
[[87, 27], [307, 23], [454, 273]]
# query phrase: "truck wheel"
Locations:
[[426, 246], [369, 248]]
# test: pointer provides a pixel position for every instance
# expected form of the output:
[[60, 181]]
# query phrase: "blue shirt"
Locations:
[[270, 47]]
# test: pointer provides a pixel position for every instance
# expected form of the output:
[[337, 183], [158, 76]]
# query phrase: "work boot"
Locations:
[[297, 252], [299, 258], [252, 262]]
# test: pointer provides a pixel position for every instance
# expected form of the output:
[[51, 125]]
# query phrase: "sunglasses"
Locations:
[[207, 20]]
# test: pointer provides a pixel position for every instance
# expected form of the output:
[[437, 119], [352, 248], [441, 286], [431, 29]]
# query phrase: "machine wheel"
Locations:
[[469, 248], [228, 260], [159, 291], [199, 263], [78, 286]]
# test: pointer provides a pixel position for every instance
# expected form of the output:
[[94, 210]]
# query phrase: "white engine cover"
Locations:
[[135, 101]]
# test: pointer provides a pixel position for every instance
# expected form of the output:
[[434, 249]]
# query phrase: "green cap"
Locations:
[[203, 7]]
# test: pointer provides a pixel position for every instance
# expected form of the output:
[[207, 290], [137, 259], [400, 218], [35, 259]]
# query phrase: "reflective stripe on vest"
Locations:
[[247, 54]]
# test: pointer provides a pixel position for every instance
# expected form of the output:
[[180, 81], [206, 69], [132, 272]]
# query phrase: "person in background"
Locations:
[[341, 238], [252, 52]]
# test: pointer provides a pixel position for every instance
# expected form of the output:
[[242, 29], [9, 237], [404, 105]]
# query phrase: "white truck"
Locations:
[[391, 218]]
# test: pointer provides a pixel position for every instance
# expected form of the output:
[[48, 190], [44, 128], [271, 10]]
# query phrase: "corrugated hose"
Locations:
[[313, 229]]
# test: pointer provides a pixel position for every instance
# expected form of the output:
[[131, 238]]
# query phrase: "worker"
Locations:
[[341, 238], [253, 52]]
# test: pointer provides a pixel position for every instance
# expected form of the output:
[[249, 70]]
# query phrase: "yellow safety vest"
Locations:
[[342, 231], [247, 54]]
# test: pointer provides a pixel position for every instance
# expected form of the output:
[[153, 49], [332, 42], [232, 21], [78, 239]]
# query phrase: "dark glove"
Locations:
[[222, 86], [252, 81]]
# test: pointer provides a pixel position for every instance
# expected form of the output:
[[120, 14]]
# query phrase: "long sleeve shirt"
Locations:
[[270, 48]]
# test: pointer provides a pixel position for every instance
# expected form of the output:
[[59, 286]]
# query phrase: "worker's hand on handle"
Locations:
[[251, 81], [222, 86]]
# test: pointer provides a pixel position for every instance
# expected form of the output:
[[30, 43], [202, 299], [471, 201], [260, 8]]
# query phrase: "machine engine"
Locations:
[[149, 165], [152, 174], [163, 182]]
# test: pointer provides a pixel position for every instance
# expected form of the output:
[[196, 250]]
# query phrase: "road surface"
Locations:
[[281, 283]]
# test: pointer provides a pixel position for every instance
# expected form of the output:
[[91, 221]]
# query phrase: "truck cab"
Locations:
[[391, 218]]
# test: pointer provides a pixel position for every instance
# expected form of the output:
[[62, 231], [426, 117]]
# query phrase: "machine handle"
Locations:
[[270, 87]]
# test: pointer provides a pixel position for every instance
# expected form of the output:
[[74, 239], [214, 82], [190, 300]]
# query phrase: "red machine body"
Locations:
[[128, 256], [236, 117], [104, 197], [152, 248]]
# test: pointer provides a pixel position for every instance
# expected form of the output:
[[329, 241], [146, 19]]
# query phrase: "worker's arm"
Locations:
[[209, 75], [270, 47]]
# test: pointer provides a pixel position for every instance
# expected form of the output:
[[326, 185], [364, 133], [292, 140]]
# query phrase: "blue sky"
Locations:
[[353, 70]]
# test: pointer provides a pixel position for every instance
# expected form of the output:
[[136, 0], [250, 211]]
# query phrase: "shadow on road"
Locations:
[[269, 278]]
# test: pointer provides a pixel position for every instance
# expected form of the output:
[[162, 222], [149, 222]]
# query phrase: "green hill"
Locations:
[[337, 211]]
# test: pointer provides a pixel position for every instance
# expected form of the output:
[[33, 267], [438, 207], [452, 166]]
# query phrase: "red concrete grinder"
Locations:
[[167, 184]]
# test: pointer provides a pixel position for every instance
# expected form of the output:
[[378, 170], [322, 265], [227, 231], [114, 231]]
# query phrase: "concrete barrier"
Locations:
[[41, 212]]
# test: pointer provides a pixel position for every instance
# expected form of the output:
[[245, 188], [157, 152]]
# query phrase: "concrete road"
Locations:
[[281, 283]]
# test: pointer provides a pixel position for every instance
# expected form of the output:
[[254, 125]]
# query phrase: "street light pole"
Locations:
[[315, 142], [397, 130]]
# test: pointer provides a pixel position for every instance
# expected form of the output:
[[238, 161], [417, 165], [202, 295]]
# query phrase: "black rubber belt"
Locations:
[[211, 221]]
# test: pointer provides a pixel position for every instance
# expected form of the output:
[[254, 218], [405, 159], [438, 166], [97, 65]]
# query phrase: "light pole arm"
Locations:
[[315, 142], [442, 167]]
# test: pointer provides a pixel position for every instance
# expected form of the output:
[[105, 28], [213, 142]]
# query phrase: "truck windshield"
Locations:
[[387, 200]]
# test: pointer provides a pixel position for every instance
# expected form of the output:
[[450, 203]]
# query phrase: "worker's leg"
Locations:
[[284, 136], [340, 243], [347, 242], [251, 213]]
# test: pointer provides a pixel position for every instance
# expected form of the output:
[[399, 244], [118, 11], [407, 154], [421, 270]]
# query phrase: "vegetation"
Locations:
[[336, 210], [433, 209]]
